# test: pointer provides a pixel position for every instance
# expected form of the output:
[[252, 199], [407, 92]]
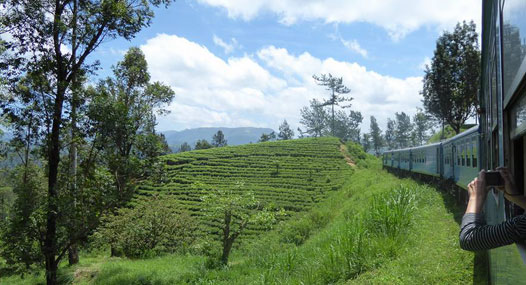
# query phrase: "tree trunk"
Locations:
[[227, 247], [51, 271], [442, 134], [50, 242], [73, 254]]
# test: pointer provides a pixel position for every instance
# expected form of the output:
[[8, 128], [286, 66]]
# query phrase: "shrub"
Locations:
[[151, 228], [356, 151]]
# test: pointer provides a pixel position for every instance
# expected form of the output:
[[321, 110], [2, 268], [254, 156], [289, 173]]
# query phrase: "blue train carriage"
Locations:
[[502, 118], [426, 159], [461, 157], [403, 157]]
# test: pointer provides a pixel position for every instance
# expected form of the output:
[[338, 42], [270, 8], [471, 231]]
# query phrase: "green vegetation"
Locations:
[[289, 175], [374, 228]]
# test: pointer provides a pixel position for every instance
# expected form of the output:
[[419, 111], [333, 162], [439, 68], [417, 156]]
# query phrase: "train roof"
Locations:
[[427, 145], [456, 137], [462, 134]]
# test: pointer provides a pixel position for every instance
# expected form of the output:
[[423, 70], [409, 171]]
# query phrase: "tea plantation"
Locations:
[[291, 175]]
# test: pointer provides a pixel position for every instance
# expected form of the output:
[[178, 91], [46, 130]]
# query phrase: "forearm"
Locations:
[[475, 204], [476, 235]]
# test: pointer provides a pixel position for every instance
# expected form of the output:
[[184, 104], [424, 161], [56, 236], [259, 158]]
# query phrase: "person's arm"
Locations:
[[475, 234], [477, 194]]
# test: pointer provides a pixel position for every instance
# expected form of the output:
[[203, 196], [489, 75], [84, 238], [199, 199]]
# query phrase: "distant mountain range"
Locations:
[[234, 136]]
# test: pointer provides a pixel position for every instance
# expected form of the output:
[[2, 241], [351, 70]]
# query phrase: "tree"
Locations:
[[202, 144], [366, 142], [301, 134], [335, 85], [403, 130], [218, 140], [235, 209], [285, 133], [314, 118], [124, 114], [156, 225], [390, 134], [39, 32], [20, 247], [451, 83], [184, 147], [267, 137], [347, 126], [376, 135], [421, 128]]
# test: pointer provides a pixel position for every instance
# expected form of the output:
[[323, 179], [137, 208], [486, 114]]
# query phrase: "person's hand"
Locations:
[[509, 182], [477, 193], [477, 187]]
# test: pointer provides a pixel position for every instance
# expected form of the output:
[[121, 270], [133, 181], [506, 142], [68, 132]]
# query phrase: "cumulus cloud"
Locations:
[[264, 88], [398, 17], [228, 47]]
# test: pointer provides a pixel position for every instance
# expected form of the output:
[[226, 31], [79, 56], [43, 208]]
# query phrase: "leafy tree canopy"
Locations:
[[218, 140], [451, 82], [285, 132]]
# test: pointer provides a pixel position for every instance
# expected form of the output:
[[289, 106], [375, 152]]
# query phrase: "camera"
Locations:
[[493, 179]]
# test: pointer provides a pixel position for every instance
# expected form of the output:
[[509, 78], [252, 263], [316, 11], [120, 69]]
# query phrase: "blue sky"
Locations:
[[249, 63]]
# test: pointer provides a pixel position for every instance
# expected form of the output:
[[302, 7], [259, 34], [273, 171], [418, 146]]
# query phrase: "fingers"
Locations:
[[482, 175]]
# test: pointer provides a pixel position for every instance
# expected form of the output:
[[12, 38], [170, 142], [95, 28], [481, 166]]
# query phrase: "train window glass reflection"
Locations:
[[493, 92], [518, 116], [513, 40]]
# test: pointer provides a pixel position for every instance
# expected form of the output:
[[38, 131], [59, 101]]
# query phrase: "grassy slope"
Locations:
[[328, 234], [427, 253], [293, 175]]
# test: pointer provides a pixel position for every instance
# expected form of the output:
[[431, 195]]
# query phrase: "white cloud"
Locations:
[[354, 46], [265, 88], [398, 17], [228, 47]]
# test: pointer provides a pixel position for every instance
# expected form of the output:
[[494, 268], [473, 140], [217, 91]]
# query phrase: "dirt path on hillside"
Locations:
[[343, 150]]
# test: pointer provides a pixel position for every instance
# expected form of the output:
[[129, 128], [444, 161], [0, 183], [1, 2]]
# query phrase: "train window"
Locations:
[[475, 153], [518, 117], [458, 154], [514, 38], [462, 155], [518, 156], [468, 156]]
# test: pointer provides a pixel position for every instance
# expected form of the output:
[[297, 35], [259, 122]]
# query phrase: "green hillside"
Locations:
[[292, 175], [369, 226]]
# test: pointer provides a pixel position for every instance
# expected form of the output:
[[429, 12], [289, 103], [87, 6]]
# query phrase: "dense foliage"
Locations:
[[148, 229], [451, 82]]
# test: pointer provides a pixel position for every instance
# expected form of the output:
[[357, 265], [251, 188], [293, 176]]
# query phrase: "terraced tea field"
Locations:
[[292, 175]]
